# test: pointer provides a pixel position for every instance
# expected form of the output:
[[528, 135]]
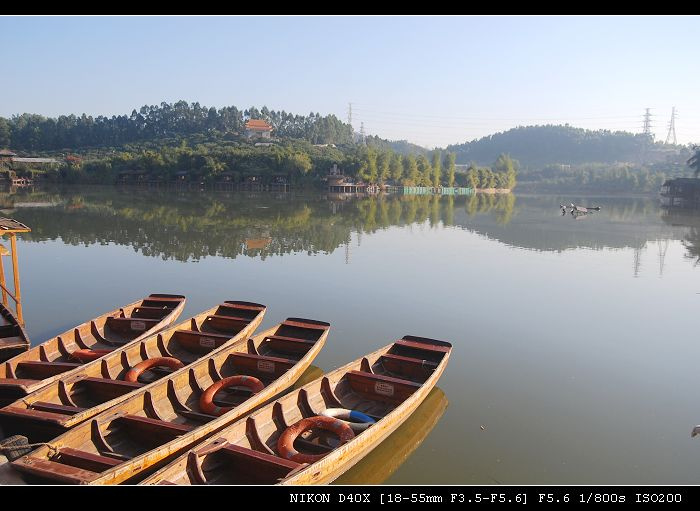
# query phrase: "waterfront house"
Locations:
[[682, 192]]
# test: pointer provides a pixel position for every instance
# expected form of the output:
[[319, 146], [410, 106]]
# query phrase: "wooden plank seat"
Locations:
[[17, 382], [422, 346], [33, 415], [258, 465], [108, 389], [56, 408], [15, 340], [150, 312], [9, 330], [261, 365], [85, 460], [227, 323], [154, 428], [248, 312], [131, 326], [195, 341], [380, 387], [407, 366], [42, 369], [286, 344], [300, 323], [161, 301], [60, 472], [244, 306]]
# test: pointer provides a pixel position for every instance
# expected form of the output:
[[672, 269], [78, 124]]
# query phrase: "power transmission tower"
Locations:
[[672, 127], [362, 132], [350, 114], [647, 123]]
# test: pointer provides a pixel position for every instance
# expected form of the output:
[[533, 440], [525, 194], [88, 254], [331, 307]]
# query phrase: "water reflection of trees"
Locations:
[[191, 225], [692, 244]]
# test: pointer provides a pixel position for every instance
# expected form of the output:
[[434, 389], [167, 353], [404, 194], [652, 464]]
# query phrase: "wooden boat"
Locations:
[[51, 360], [167, 418], [386, 385], [13, 338], [101, 384]]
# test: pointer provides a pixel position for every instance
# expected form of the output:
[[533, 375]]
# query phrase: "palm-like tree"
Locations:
[[694, 161]]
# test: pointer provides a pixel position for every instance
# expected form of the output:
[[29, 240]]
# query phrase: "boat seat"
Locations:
[[17, 382], [285, 344], [56, 408], [108, 389], [33, 415], [55, 471], [301, 323], [154, 428], [244, 306], [258, 464], [43, 370], [408, 366], [261, 365], [200, 342], [150, 312], [9, 330], [422, 346], [380, 387], [226, 309], [15, 340], [161, 301], [227, 324], [131, 327], [85, 460]]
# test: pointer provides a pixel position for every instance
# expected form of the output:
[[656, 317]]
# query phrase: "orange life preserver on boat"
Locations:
[[89, 355], [206, 400], [285, 443], [134, 373]]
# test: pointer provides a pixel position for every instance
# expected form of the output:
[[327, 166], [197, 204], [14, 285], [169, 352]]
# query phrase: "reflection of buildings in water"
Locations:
[[388, 456]]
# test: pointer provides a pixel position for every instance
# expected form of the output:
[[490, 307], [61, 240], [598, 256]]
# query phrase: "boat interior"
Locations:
[[151, 419], [247, 452], [100, 382]]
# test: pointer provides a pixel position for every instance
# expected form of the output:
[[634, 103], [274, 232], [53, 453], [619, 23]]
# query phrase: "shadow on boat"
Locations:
[[393, 452]]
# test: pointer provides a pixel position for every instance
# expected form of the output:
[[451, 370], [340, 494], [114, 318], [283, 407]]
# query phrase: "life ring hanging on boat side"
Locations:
[[285, 443], [358, 421], [206, 400], [133, 374]]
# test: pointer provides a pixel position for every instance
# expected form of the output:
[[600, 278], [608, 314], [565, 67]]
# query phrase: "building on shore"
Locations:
[[681, 192], [257, 128]]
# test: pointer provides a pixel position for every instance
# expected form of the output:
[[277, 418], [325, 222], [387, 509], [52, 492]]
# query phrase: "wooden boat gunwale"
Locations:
[[63, 422], [56, 344], [161, 454], [338, 460]]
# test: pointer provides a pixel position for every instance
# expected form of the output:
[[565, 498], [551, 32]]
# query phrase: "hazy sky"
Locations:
[[431, 80]]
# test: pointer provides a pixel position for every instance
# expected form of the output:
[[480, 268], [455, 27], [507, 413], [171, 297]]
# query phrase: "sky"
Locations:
[[431, 80]]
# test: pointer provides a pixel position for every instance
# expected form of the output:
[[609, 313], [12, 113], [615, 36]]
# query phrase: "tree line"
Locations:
[[33, 132]]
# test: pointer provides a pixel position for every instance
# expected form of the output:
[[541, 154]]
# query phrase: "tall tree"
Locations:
[[426, 172], [396, 168], [437, 168], [451, 168]]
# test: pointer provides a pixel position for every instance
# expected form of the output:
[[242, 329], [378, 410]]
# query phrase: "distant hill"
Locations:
[[538, 146]]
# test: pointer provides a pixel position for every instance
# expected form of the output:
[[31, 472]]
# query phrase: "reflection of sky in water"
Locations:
[[579, 371]]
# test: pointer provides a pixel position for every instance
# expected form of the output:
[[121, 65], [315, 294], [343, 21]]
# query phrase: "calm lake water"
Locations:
[[575, 357]]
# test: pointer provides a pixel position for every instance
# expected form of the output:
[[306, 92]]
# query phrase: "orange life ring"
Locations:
[[134, 373], [206, 400], [285, 443], [89, 355]]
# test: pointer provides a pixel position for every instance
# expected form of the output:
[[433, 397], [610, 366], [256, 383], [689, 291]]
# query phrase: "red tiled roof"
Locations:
[[258, 125]]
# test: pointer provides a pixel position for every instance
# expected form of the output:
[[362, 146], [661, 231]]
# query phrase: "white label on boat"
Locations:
[[384, 389], [138, 325], [207, 342], [266, 366]]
